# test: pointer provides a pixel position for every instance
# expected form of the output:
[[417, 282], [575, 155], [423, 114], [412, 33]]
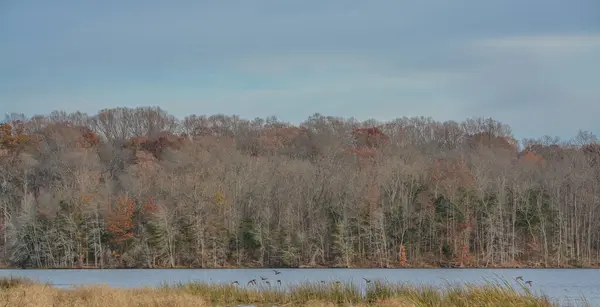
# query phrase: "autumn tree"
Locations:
[[137, 187]]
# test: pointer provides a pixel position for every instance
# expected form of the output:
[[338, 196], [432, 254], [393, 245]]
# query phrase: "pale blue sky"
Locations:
[[533, 64]]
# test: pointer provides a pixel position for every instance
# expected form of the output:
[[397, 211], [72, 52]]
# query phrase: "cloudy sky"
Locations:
[[533, 64]]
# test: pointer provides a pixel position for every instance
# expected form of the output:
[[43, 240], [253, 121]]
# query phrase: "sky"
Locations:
[[534, 65]]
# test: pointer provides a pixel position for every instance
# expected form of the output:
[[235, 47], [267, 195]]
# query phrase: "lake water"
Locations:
[[562, 284]]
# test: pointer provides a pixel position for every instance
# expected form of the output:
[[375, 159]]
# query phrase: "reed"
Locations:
[[17, 292]]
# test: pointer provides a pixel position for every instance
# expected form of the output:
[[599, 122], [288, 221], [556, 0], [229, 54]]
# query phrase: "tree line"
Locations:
[[137, 187]]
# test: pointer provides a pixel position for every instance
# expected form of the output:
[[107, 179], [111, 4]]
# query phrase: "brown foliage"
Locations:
[[547, 152], [70, 135], [157, 144], [282, 140], [592, 151], [487, 140], [452, 171], [364, 153], [388, 196], [530, 157], [149, 206]]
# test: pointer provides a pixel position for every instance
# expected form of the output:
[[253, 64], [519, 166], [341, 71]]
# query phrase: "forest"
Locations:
[[140, 188]]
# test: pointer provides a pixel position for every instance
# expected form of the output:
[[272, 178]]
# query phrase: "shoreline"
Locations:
[[311, 268], [407, 266], [25, 292]]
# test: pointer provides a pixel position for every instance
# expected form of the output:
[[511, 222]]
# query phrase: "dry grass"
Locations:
[[30, 294], [16, 292]]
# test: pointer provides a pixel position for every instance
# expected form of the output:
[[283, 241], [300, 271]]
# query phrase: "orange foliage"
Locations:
[[402, 255], [13, 137], [530, 157], [120, 219]]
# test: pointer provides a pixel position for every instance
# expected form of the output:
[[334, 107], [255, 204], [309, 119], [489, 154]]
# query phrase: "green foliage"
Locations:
[[445, 209], [447, 250], [250, 240]]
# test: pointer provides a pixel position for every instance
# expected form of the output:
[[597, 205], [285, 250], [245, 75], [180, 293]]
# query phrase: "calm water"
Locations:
[[563, 284]]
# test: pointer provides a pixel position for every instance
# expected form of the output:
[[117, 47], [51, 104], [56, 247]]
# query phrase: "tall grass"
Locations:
[[377, 293]]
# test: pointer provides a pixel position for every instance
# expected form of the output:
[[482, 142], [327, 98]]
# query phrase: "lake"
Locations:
[[561, 284]]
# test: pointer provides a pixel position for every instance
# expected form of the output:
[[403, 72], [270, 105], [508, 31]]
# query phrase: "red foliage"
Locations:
[[88, 137], [120, 219], [369, 137]]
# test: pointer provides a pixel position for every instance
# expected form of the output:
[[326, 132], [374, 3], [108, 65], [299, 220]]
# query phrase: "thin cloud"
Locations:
[[548, 45]]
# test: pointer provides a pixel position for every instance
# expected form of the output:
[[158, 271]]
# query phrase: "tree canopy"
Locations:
[[137, 187]]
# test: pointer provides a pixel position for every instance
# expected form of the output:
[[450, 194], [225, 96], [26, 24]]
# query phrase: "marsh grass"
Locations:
[[377, 293]]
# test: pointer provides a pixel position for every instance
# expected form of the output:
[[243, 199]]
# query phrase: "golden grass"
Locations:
[[16, 292]]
